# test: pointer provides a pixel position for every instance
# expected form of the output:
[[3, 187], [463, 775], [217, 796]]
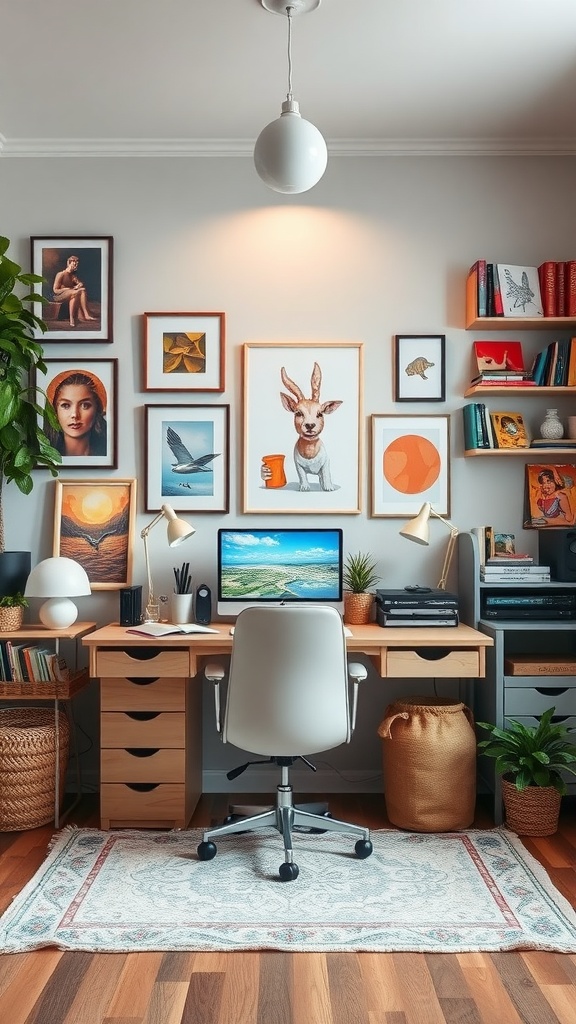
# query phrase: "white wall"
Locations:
[[380, 247]]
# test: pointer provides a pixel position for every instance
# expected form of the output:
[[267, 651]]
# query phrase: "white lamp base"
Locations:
[[58, 613]]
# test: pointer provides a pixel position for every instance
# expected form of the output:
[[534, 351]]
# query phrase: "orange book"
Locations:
[[571, 378], [509, 430]]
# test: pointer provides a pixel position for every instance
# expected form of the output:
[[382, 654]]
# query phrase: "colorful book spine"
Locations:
[[571, 377], [560, 289], [547, 278], [570, 287]]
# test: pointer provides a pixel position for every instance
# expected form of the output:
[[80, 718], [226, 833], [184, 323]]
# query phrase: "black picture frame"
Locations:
[[419, 364]]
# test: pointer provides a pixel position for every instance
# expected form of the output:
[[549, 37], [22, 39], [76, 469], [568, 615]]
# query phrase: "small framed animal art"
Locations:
[[303, 445], [94, 525], [184, 351], [419, 367], [187, 457]]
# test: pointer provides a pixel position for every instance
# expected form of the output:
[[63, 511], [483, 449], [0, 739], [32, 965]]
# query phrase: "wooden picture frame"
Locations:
[[184, 351], [187, 457], [84, 396], [419, 363], [410, 464], [78, 295], [94, 524], [322, 474]]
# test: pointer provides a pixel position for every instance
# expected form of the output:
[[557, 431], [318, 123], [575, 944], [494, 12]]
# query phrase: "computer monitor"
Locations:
[[263, 567]]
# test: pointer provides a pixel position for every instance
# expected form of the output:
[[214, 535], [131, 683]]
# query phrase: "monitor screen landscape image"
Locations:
[[263, 566]]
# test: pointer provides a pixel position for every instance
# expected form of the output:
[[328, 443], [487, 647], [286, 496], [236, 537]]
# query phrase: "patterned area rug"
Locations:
[[133, 891]]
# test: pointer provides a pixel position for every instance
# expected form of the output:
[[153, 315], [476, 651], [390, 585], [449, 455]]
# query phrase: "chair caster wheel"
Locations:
[[288, 872], [206, 851], [363, 848]]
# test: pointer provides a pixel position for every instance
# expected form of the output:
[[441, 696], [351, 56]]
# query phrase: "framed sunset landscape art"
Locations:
[[94, 525], [410, 464]]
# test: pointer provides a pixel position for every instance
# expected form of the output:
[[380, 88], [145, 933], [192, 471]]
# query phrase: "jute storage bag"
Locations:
[[429, 758]]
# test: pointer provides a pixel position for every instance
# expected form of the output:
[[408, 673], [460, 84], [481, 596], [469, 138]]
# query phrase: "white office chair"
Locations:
[[288, 696]]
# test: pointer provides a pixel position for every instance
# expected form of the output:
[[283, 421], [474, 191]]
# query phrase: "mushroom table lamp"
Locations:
[[418, 530], [58, 579]]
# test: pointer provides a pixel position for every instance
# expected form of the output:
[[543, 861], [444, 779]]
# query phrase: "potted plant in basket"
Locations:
[[530, 759], [358, 576], [12, 612], [23, 443]]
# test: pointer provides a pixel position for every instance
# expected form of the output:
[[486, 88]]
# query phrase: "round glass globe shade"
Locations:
[[290, 154]]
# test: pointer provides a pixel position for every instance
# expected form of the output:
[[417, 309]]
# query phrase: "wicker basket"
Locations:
[[534, 811], [357, 608], [11, 618], [28, 766]]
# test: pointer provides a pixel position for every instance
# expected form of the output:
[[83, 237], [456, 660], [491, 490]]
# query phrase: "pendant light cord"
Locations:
[[289, 16]]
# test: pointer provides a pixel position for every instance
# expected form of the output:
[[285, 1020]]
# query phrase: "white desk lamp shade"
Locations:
[[58, 579], [290, 154]]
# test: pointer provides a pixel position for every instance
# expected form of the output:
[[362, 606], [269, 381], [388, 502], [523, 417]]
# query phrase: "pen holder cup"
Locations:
[[181, 608]]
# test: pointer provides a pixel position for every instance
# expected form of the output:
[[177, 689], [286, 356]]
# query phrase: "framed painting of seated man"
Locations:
[[77, 287]]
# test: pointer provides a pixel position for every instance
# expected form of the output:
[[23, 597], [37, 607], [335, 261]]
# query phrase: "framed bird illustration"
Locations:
[[94, 524], [187, 457]]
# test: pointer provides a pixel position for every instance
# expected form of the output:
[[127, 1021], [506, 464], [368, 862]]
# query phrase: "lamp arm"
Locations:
[[449, 555], [144, 536]]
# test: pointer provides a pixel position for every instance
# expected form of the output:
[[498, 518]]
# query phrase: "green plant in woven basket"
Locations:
[[13, 601], [359, 573], [532, 755]]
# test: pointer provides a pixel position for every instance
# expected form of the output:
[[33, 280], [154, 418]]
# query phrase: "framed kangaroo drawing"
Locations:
[[302, 427]]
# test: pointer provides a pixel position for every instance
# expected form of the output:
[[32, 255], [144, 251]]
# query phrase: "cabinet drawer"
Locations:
[[432, 661], [536, 700], [143, 764], [142, 662], [165, 802], [143, 694], [161, 729]]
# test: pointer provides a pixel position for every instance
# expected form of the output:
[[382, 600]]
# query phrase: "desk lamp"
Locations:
[[418, 530], [58, 579], [177, 531]]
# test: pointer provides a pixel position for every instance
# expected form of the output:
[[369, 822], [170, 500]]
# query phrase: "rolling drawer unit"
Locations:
[[150, 738], [505, 695]]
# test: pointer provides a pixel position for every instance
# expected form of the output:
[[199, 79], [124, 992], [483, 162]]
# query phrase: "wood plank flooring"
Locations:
[[50, 986]]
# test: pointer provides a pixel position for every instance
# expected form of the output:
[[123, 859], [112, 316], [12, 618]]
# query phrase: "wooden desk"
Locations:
[[151, 721]]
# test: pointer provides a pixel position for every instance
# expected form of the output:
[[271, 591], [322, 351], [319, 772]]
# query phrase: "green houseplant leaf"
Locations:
[[532, 755], [359, 573]]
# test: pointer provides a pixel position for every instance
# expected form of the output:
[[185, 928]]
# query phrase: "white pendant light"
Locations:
[[290, 154]]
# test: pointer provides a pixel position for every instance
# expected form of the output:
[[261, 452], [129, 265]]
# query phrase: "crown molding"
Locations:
[[244, 147]]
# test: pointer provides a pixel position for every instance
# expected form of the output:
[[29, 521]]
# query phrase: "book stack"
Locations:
[[555, 366], [500, 364], [483, 429], [416, 607], [514, 569], [558, 287], [24, 663]]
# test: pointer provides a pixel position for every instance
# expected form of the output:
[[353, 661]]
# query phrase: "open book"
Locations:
[[165, 628]]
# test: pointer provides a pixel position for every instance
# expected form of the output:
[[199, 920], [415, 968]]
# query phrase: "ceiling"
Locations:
[[205, 76]]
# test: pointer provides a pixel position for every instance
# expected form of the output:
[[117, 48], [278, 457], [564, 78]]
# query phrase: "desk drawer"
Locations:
[[427, 662], [142, 662], [143, 694], [165, 802], [147, 764], [158, 729], [525, 701]]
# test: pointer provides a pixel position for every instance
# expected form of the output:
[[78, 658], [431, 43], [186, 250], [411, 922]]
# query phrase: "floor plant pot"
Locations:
[[357, 608], [14, 571], [534, 811], [11, 618]]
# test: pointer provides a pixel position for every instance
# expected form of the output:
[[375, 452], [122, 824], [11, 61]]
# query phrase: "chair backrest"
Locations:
[[288, 683]]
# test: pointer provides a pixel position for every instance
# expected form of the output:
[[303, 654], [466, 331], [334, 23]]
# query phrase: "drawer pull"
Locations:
[[142, 653], [551, 691], [144, 681], [142, 787], [142, 751], [142, 716], [432, 653]]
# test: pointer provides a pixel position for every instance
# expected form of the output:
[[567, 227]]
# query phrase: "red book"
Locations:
[[570, 287], [547, 278], [560, 289], [499, 355]]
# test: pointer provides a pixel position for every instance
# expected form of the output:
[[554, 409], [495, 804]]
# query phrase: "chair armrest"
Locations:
[[215, 673], [358, 673]]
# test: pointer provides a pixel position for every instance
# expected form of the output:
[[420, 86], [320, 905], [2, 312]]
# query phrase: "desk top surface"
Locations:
[[363, 638]]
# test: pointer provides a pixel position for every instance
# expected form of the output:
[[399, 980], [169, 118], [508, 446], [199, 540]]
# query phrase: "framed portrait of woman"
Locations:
[[83, 396]]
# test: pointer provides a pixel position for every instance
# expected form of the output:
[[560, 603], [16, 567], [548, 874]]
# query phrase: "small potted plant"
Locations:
[[12, 612], [358, 576], [531, 760]]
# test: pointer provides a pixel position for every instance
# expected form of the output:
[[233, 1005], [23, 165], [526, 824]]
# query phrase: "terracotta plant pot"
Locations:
[[357, 608], [532, 812], [11, 618]]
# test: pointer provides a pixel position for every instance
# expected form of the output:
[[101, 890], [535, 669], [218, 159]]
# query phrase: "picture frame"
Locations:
[[549, 496], [322, 474], [410, 464], [419, 362], [94, 524], [86, 395], [184, 352], [81, 311], [181, 467]]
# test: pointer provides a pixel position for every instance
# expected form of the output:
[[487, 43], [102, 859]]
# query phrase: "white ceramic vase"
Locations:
[[551, 427]]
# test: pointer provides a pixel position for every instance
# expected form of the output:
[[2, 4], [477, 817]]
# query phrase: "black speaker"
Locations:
[[130, 606], [557, 548], [203, 605]]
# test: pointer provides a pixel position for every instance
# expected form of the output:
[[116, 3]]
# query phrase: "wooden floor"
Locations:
[[55, 987]]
